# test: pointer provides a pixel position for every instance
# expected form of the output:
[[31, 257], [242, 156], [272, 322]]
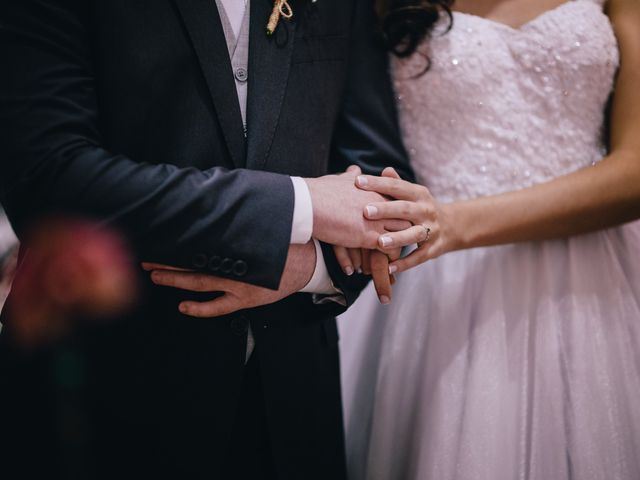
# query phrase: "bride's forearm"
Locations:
[[598, 197]]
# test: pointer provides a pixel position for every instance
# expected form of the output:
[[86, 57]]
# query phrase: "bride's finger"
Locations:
[[411, 236], [395, 225], [415, 258], [398, 209], [354, 169], [392, 187], [344, 260]]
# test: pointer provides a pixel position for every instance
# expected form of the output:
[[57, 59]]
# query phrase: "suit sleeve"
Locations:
[[367, 133], [53, 161]]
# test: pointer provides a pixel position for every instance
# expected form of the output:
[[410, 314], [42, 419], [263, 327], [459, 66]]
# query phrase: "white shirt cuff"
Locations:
[[302, 227], [320, 282]]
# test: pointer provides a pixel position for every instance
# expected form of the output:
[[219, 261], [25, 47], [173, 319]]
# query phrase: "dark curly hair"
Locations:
[[407, 23]]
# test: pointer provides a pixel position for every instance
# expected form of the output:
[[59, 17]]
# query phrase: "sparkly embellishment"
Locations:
[[503, 117]]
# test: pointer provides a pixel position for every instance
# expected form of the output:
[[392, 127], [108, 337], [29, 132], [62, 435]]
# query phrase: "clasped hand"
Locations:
[[370, 225], [430, 229]]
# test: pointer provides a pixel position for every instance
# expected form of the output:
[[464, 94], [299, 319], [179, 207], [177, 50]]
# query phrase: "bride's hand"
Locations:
[[432, 224]]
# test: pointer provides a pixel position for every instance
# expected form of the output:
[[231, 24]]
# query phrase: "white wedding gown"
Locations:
[[512, 362]]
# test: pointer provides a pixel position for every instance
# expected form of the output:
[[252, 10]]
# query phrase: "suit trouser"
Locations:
[[250, 450]]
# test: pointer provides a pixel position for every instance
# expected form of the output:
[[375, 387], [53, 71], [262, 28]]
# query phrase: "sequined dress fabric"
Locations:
[[510, 362]]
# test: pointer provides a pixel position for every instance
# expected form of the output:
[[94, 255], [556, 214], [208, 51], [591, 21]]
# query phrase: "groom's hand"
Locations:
[[337, 212], [236, 295]]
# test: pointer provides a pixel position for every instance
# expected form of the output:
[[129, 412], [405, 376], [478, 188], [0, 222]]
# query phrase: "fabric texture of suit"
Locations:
[[126, 111]]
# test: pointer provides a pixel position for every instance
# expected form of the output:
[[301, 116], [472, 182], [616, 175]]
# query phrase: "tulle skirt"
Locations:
[[502, 363]]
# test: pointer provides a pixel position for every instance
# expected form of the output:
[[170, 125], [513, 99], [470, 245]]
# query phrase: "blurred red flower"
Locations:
[[69, 270]]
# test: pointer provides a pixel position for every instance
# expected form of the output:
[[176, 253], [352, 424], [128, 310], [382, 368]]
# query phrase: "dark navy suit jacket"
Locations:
[[125, 111]]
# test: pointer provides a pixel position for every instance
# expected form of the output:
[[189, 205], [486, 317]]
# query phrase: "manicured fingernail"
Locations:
[[359, 271], [362, 181], [386, 241], [348, 270], [182, 308], [385, 300], [372, 211], [155, 277], [392, 269]]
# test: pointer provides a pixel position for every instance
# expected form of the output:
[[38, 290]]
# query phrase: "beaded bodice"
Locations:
[[502, 108]]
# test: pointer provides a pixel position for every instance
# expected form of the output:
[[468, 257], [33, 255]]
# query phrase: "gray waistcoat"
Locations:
[[239, 55]]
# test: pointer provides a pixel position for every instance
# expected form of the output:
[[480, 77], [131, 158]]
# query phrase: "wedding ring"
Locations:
[[427, 232]]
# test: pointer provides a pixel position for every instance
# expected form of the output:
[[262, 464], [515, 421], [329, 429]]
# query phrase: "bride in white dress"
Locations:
[[515, 354]]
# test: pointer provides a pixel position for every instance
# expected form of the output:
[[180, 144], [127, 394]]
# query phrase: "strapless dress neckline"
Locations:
[[538, 18]]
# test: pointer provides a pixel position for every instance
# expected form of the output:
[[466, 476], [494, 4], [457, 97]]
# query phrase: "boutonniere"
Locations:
[[281, 9]]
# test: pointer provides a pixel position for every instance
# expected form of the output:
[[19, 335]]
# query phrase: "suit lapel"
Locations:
[[202, 21], [269, 65]]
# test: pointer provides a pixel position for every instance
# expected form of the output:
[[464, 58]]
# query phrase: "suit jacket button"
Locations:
[[199, 260], [240, 325], [226, 266], [214, 263], [240, 268]]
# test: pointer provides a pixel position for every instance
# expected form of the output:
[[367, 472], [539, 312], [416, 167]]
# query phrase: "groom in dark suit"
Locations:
[[185, 125]]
